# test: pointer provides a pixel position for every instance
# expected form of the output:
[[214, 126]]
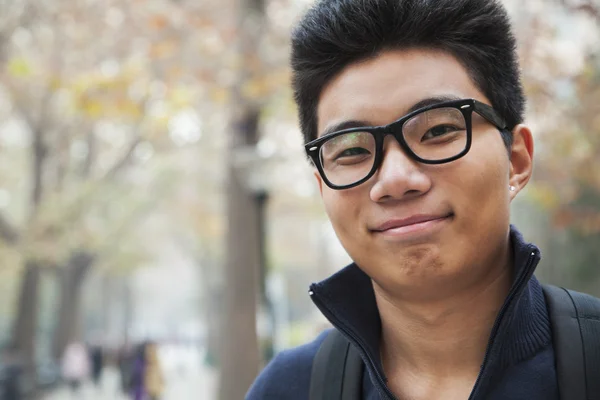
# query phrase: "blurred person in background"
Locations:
[[75, 365], [412, 112], [153, 376], [125, 361], [138, 369], [147, 378], [97, 359]]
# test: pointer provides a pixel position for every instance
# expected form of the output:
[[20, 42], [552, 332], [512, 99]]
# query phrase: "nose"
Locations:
[[398, 177]]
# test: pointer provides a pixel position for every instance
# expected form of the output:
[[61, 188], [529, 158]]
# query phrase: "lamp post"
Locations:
[[254, 164], [266, 307]]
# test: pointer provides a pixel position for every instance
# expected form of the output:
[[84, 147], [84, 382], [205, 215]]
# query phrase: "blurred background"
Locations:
[[156, 207]]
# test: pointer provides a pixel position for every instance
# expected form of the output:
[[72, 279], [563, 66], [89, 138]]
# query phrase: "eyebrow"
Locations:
[[345, 125], [364, 124], [430, 101]]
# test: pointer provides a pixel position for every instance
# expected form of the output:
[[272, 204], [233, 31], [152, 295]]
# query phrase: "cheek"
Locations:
[[343, 209], [484, 181]]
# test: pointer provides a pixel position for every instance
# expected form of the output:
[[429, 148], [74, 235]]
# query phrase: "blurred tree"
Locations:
[[94, 105], [590, 7], [563, 88], [202, 215], [240, 356], [98, 99]]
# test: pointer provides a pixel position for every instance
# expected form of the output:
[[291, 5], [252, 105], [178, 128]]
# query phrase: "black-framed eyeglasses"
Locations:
[[435, 134]]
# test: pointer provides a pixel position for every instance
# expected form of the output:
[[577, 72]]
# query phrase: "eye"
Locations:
[[353, 151], [348, 149], [439, 131], [352, 156]]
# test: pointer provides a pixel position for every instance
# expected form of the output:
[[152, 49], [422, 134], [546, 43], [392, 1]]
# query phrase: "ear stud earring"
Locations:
[[512, 188]]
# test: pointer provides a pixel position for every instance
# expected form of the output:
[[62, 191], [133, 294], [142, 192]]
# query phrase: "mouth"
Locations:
[[412, 225]]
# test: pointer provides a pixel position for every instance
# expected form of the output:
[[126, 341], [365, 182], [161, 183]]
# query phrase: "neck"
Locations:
[[444, 337]]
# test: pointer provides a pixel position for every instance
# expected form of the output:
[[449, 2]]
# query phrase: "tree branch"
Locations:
[[91, 155], [14, 15], [589, 7], [122, 162], [137, 138]]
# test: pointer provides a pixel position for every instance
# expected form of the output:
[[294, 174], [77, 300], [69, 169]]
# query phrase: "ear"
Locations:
[[319, 181], [521, 158]]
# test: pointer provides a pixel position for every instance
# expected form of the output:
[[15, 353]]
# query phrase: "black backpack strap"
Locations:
[[336, 371], [575, 321], [588, 313]]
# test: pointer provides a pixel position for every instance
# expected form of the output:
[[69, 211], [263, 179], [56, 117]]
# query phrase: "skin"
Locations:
[[438, 288]]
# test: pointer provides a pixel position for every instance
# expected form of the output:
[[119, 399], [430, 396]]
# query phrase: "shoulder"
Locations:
[[287, 376]]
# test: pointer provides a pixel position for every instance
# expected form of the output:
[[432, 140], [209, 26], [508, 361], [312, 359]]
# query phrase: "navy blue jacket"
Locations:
[[519, 362]]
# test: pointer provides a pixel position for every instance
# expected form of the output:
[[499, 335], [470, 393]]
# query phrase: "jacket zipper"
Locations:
[[382, 386]]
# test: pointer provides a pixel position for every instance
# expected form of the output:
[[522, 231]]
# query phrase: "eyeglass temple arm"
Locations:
[[490, 114]]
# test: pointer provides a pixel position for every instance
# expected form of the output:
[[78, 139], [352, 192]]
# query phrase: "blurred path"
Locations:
[[108, 389], [185, 378]]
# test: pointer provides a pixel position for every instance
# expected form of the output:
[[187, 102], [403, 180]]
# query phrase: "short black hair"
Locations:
[[336, 33]]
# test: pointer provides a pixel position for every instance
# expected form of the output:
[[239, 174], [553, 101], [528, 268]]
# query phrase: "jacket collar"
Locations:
[[522, 326]]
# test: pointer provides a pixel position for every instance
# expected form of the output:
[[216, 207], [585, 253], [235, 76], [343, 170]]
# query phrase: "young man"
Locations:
[[412, 111]]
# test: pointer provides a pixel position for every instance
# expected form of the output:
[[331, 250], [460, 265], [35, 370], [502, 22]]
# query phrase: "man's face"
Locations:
[[465, 202]]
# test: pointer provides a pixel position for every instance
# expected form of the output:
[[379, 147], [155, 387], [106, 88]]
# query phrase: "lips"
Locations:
[[413, 220]]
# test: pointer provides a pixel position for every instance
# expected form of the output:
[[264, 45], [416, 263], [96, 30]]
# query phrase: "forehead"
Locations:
[[382, 89]]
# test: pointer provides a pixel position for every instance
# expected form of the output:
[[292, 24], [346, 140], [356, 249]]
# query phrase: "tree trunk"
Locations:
[[25, 325], [72, 277], [268, 341], [240, 356]]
